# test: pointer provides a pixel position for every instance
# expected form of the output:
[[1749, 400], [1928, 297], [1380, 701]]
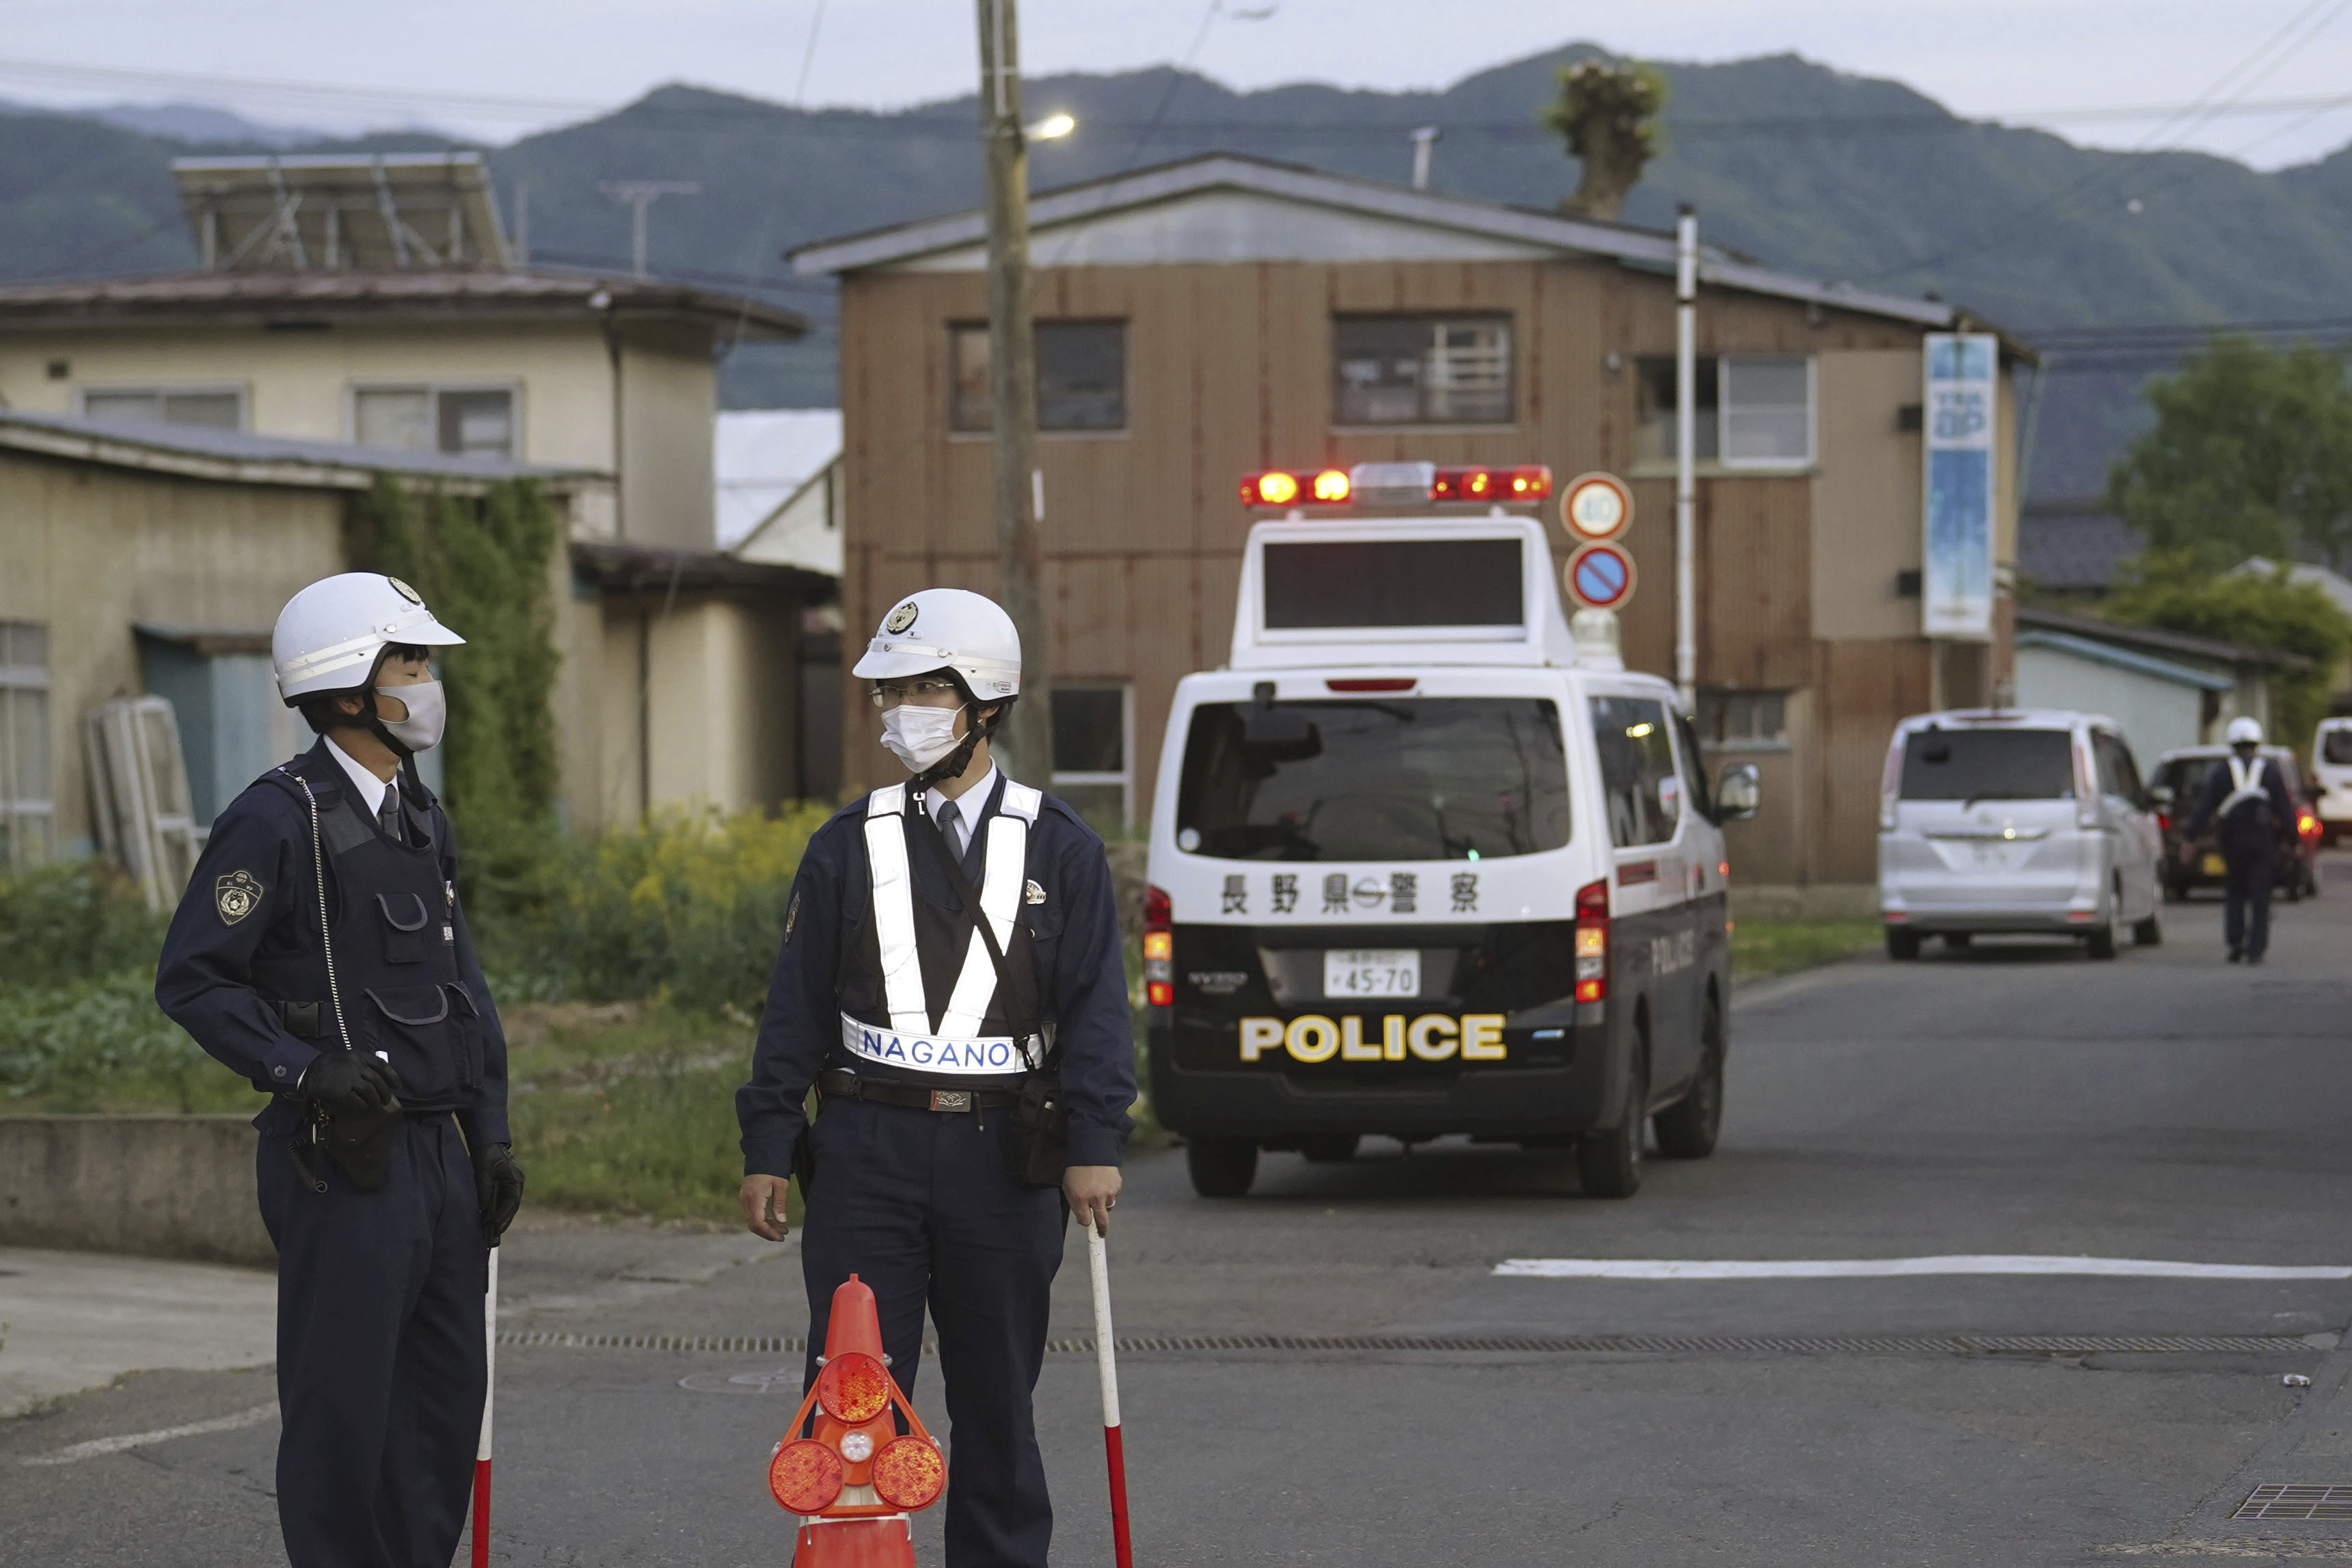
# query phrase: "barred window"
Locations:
[[28, 806], [1421, 370]]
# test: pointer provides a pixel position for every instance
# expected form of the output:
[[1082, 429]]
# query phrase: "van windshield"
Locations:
[[2335, 748], [1989, 764], [1409, 778]]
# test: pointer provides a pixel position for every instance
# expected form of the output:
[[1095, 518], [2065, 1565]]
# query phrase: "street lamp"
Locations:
[[1052, 128]]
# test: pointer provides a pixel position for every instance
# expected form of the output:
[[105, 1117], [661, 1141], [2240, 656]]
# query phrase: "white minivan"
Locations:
[[2004, 820], [1423, 863], [2331, 773]]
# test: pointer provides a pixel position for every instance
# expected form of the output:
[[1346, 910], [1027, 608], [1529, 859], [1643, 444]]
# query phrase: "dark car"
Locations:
[[2178, 780]]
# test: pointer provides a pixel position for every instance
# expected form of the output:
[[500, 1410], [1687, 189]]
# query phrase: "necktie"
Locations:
[[390, 814], [951, 826]]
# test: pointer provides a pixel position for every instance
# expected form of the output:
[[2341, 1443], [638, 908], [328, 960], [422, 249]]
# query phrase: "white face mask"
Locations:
[[918, 736], [428, 714]]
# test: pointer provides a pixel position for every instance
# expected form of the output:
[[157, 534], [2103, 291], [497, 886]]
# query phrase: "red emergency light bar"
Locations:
[[1338, 486]]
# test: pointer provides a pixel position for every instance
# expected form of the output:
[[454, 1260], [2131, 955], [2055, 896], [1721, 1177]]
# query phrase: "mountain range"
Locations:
[[2114, 261]]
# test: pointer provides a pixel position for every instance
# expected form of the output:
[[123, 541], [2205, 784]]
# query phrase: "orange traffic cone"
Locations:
[[855, 1478]]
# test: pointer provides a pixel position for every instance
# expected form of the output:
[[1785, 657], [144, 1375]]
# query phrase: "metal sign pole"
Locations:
[[1107, 1368], [1686, 458]]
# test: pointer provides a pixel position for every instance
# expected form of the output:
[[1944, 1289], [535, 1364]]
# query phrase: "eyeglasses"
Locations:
[[890, 693]]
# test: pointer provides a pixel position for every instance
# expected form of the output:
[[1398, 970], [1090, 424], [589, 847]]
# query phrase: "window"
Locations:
[[1081, 376], [1743, 721], [2118, 774], [217, 408], [1989, 764], [1750, 411], [467, 421], [1642, 791], [2336, 747], [27, 811], [1092, 726], [1412, 778], [1421, 370], [1767, 410], [225, 704]]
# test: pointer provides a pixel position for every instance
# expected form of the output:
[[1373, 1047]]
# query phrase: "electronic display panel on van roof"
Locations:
[[1312, 584]]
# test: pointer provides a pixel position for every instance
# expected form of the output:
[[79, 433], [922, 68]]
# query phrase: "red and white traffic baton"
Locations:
[[1107, 1366], [490, 1395]]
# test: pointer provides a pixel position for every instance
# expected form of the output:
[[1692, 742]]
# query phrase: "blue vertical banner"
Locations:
[[1955, 587]]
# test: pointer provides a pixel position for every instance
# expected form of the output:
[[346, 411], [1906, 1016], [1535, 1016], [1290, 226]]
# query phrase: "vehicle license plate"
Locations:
[[1371, 972], [1994, 853], [2216, 867]]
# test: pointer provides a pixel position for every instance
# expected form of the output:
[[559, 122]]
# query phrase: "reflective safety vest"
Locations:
[[977, 1034], [2246, 777]]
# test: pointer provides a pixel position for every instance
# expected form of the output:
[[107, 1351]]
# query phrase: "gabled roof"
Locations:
[[195, 451], [2125, 659], [1646, 248], [468, 294]]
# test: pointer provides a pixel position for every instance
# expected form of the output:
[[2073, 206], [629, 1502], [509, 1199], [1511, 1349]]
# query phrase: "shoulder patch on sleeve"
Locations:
[[236, 895], [792, 915]]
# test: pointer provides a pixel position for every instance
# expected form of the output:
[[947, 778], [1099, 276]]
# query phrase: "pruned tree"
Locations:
[[1608, 115]]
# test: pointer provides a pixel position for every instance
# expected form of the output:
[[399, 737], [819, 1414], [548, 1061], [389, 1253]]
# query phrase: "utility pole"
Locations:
[[1686, 459], [1020, 495], [637, 195]]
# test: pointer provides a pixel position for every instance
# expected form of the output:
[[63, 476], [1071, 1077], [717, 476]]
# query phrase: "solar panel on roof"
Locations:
[[328, 212]]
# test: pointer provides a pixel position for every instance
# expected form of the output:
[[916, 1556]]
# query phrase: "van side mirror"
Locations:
[[1738, 792]]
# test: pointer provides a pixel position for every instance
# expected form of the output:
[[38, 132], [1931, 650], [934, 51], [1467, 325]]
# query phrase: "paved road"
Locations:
[[2011, 1100]]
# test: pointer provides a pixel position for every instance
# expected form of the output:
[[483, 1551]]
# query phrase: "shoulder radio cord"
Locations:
[[326, 926]]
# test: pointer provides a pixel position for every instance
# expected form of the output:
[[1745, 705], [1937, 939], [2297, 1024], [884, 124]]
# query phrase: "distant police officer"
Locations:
[[965, 1073], [2245, 794], [320, 953]]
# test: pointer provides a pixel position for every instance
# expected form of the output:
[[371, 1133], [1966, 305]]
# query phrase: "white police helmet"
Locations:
[[951, 628], [2245, 731], [330, 634]]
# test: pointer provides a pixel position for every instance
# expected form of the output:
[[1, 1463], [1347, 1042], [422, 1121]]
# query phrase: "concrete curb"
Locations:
[[152, 1186]]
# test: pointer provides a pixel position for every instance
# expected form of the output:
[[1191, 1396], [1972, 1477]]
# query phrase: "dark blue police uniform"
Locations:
[[2249, 831], [919, 1202], [381, 1364]]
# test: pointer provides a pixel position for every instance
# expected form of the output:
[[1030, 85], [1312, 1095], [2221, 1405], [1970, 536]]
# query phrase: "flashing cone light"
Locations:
[[855, 1478], [489, 1393]]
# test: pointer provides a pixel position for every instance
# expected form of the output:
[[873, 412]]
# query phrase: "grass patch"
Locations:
[[1762, 948]]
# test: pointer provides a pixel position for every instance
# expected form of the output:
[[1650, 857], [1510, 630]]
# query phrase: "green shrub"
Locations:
[[103, 1045], [689, 906], [71, 922]]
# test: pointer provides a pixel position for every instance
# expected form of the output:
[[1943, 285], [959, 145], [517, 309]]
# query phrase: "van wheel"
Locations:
[[1902, 942], [1333, 1150], [1687, 1129], [1608, 1162], [2102, 943], [2149, 933], [1221, 1167]]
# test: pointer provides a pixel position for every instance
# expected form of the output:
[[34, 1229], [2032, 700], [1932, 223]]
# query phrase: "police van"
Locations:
[[1423, 860]]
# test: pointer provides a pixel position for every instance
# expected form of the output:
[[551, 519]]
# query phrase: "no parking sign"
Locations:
[[1600, 576]]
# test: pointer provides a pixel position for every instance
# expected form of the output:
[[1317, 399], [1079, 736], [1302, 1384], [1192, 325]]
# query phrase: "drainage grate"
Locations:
[[1521, 1344], [2283, 1501]]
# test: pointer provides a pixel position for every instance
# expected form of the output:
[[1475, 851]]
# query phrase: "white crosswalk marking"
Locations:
[[1890, 1268], [98, 1447]]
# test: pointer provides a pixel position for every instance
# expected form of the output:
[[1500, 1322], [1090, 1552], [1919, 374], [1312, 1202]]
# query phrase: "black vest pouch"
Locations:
[[360, 1144], [428, 1034], [403, 927]]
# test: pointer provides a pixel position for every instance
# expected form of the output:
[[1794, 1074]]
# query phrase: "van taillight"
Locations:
[[1158, 948], [1592, 942]]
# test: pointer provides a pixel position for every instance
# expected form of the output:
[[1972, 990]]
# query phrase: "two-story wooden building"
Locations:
[[1203, 321]]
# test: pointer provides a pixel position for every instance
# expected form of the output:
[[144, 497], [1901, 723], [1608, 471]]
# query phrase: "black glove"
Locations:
[[497, 1182], [344, 1084]]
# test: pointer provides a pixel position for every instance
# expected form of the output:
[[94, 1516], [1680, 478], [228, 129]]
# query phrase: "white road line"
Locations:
[[98, 1447], [1887, 1267]]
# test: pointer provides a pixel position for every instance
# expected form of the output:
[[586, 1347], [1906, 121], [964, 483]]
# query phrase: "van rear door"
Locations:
[[1984, 816]]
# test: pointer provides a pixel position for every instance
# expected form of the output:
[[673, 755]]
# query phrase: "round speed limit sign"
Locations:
[[1596, 506]]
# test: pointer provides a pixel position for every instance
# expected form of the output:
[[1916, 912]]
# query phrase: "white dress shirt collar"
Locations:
[[968, 806], [369, 789]]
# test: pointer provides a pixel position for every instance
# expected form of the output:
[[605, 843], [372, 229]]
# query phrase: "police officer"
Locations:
[[925, 1172], [2245, 792], [319, 952]]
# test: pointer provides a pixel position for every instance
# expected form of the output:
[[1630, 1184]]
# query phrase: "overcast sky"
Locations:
[[497, 69]]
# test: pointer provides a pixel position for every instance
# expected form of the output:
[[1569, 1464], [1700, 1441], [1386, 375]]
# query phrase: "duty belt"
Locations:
[[840, 1082]]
